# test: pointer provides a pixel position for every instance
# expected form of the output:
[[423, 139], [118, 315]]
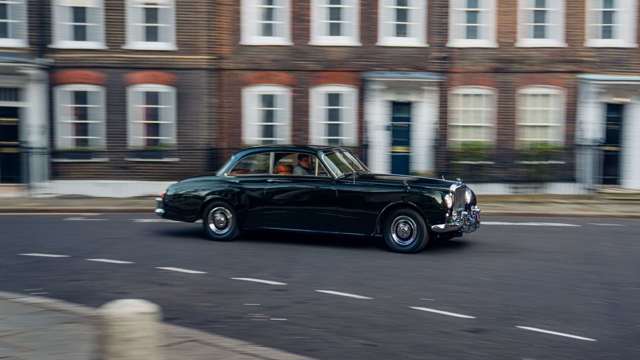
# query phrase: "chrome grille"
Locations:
[[458, 197]]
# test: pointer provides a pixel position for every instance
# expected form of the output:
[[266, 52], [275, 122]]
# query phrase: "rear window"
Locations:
[[256, 164]]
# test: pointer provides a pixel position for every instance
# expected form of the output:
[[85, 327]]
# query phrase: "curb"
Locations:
[[177, 334]]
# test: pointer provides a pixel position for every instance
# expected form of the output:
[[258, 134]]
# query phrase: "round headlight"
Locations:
[[448, 199], [468, 196]]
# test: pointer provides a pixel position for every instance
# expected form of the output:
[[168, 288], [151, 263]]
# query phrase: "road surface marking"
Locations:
[[604, 224], [39, 293], [186, 271], [503, 223], [555, 333], [261, 281], [447, 313], [48, 214], [45, 255], [152, 221], [251, 304], [338, 293], [110, 261], [425, 299], [278, 319], [79, 218]]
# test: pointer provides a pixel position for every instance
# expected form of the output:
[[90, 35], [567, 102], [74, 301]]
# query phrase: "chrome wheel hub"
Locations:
[[220, 220], [403, 230]]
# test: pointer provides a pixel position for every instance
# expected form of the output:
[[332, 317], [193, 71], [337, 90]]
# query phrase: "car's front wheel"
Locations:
[[220, 222], [405, 231]]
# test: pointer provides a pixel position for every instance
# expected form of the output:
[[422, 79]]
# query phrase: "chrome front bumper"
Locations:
[[462, 221], [159, 207]]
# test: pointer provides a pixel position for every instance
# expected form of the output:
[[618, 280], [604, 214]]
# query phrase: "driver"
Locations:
[[304, 165]]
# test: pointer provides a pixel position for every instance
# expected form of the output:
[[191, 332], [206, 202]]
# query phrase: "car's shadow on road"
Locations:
[[316, 240]]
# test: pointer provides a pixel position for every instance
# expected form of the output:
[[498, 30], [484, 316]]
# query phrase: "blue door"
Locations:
[[400, 137]]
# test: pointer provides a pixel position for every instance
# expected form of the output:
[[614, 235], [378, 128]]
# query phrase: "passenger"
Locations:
[[283, 169], [304, 165]]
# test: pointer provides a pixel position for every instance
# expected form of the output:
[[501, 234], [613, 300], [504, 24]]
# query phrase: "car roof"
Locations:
[[284, 148]]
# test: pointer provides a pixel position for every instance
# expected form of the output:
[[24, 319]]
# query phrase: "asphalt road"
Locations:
[[520, 288]]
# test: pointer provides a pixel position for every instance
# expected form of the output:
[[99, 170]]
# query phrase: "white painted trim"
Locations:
[[457, 40], [421, 24], [317, 39], [249, 25], [557, 39], [250, 115], [349, 113], [59, 43], [627, 24]]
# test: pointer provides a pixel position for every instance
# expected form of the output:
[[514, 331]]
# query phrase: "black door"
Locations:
[[612, 145], [9, 145], [400, 137]]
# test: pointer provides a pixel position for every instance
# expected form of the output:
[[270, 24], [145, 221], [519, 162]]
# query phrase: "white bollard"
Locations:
[[129, 329]]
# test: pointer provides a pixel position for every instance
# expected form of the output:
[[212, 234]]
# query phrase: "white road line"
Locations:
[[83, 219], [186, 271], [152, 221], [447, 313], [251, 304], [45, 255], [48, 214], [110, 261], [261, 281], [555, 333], [338, 293], [39, 293], [278, 319], [604, 224], [548, 224]]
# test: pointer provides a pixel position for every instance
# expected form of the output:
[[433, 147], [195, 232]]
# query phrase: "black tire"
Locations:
[[220, 222], [405, 231]]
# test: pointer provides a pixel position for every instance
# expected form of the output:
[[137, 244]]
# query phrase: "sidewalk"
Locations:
[[36, 328], [597, 205]]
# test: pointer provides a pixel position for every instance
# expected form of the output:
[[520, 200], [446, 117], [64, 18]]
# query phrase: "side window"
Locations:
[[298, 164], [257, 164]]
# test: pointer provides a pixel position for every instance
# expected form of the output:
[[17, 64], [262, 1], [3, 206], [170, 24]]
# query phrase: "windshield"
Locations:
[[343, 162]]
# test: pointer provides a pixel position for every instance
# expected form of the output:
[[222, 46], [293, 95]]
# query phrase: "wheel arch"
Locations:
[[398, 205]]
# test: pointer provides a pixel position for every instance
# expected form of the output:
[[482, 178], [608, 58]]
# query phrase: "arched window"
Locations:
[[152, 116], [472, 115], [540, 116], [266, 115], [333, 115]]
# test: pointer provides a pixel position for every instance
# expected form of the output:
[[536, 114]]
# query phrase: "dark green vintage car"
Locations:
[[321, 190]]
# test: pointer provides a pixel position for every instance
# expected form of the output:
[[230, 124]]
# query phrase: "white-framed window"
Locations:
[[333, 115], [611, 23], [541, 23], [402, 22], [80, 117], [78, 24], [266, 22], [152, 116], [335, 22], [540, 116], [472, 115], [151, 25], [266, 115], [472, 23], [13, 23]]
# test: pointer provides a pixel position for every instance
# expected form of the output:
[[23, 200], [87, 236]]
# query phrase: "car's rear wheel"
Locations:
[[405, 231], [220, 222]]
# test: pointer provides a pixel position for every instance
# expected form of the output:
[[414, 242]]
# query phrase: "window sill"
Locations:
[[530, 43], [151, 159], [609, 44], [266, 42], [14, 43], [90, 160], [472, 44], [78, 45], [150, 46], [334, 42], [394, 42]]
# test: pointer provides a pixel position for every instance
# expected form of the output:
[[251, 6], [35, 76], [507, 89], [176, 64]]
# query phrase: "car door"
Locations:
[[249, 177], [299, 202]]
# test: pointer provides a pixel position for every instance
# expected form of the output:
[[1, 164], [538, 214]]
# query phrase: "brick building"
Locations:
[[496, 92]]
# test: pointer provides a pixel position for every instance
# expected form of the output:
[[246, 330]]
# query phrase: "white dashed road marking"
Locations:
[[110, 261], [186, 271], [48, 214], [261, 281], [80, 218], [555, 333], [152, 221], [45, 255], [447, 313], [278, 319], [548, 224], [338, 293], [603, 224]]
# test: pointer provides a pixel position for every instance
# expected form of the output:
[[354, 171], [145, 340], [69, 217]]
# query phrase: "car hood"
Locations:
[[414, 181]]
